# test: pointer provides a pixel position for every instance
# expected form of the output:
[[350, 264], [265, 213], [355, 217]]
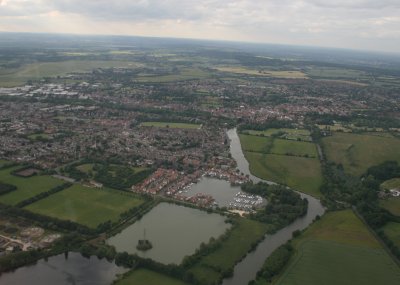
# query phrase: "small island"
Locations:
[[144, 244]]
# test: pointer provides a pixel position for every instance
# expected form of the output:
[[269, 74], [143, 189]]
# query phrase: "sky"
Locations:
[[355, 24]]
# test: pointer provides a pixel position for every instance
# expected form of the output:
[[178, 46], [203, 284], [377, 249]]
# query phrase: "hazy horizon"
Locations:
[[359, 25]]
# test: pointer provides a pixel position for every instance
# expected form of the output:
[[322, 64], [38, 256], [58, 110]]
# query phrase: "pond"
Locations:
[[220, 190], [64, 269], [174, 231]]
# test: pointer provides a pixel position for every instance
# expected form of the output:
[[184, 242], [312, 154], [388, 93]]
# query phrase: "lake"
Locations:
[[64, 269], [174, 231]]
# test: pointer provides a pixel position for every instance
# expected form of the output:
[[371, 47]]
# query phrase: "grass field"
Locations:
[[391, 184], [86, 168], [87, 206], [26, 187], [15, 77], [284, 161], [392, 230], [268, 73], [147, 277], [277, 146], [339, 249], [291, 134], [392, 205], [232, 250], [354, 151], [170, 125], [303, 174]]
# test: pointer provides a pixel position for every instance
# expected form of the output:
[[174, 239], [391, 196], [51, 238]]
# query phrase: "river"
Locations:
[[247, 269]]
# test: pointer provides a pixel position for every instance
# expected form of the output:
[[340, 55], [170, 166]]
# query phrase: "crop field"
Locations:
[[87, 206], [26, 187], [358, 152], [392, 230], [300, 173], [339, 249], [170, 125], [290, 134], [15, 77], [231, 250], [147, 277], [295, 74], [392, 205]]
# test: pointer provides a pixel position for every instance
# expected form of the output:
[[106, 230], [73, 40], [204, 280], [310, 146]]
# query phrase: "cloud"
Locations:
[[339, 23]]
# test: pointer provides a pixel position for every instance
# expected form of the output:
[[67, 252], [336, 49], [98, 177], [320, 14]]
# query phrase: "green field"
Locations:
[[15, 77], [289, 162], [277, 146], [147, 277], [26, 187], [85, 168], [339, 249], [233, 249], [170, 125], [303, 174], [391, 184], [391, 204], [392, 230], [290, 134], [358, 152], [87, 206]]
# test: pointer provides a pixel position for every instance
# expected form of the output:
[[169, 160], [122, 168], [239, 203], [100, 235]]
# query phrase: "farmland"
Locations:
[[236, 246], [289, 162], [170, 125], [147, 277], [353, 151], [339, 249], [85, 205], [18, 76], [27, 187]]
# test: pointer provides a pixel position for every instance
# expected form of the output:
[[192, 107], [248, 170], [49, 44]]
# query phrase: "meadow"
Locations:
[[300, 173], [293, 163], [87, 206], [147, 277], [358, 152], [339, 249], [232, 250], [27, 187], [277, 146], [170, 125]]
